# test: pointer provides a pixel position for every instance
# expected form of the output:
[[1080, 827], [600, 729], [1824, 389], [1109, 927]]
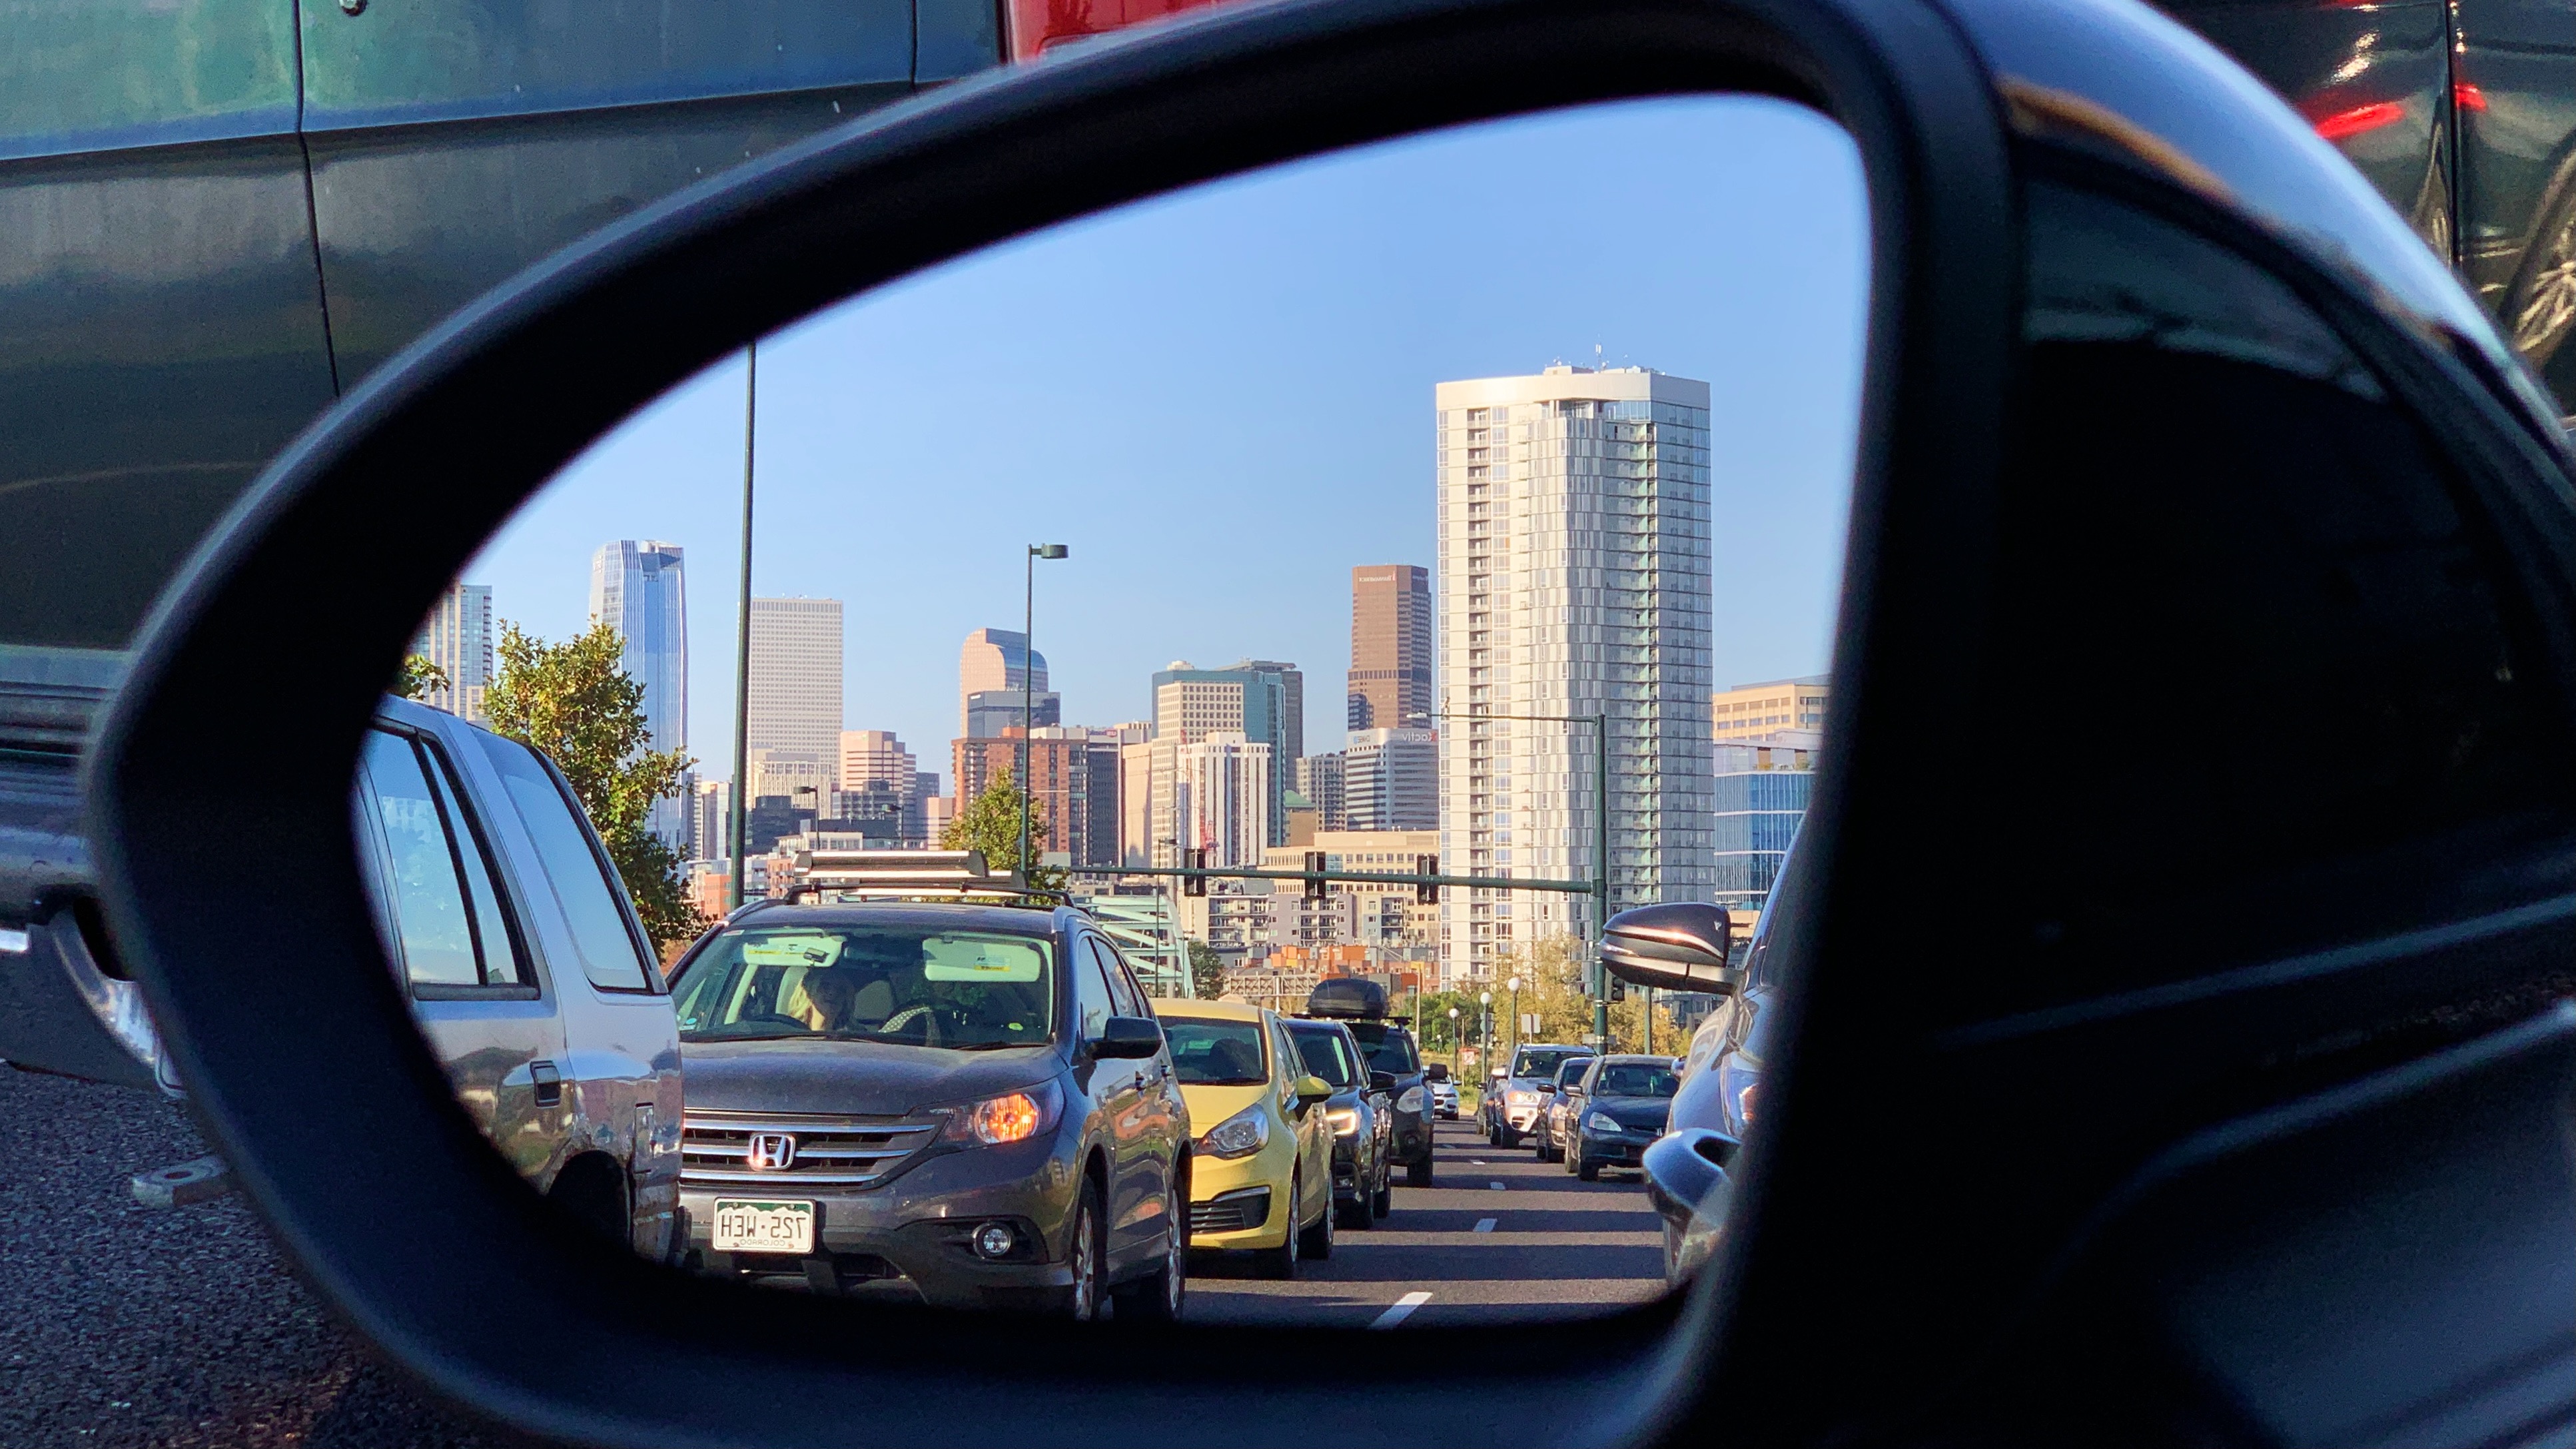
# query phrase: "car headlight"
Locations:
[[1241, 1135], [1520, 1099], [1601, 1122], [1010, 1117], [1345, 1120], [1411, 1101]]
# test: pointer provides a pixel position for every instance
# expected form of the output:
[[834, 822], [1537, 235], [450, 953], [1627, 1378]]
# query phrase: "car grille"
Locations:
[[830, 1151], [1233, 1212]]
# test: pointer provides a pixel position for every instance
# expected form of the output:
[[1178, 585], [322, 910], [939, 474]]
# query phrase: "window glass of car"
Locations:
[[1327, 1054], [612, 954], [1123, 995], [1292, 1061], [1093, 1002], [918, 985], [433, 924], [1214, 1053], [495, 935], [1542, 1061], [1389, 1047], [2214, 492], [1636, 1079], [1570, 1075]]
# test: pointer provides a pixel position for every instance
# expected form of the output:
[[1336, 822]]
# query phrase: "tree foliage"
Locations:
[[574, 703], [1207, 971], [1551, 975], [991, 823], [419, 677]]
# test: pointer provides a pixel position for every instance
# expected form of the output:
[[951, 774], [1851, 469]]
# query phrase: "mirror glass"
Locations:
[[1537, 435]]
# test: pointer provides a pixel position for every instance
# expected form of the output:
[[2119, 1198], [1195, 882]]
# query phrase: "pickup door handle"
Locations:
[[549, 1081]]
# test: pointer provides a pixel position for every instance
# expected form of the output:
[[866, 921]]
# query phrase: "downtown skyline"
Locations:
[[1086, 414]]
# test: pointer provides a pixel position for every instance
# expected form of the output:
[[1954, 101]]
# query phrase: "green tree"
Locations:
[[1551, 973], [418, 677], [1207, 971], [574, 703], [991, 823]]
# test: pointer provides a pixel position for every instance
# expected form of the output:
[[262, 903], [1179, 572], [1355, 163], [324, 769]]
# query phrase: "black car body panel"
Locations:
[[1390, 1048]]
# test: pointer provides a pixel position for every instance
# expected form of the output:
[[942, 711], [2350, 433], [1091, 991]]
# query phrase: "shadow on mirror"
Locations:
[[1031, 926]]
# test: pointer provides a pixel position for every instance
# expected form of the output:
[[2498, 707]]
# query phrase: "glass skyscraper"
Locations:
[[1574, 578], [639, 587]]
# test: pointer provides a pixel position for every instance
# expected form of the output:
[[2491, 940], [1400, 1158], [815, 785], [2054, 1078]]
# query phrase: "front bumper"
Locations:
[[1243, 1203], [909, 1237], [1625, 1150], [1520, 1118]]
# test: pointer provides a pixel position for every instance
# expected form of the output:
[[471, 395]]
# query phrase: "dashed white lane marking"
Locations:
[[1496, 1186], [1484, 1225], [1402, 1310], [1477, 1161]]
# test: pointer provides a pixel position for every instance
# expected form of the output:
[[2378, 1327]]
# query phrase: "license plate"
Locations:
[[749, 1226]]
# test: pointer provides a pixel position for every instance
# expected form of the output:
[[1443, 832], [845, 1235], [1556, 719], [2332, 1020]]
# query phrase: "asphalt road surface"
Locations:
[[1499, 1237]]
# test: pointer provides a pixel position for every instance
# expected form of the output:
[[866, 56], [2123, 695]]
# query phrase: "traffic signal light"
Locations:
[[1315, 890], [1194, 885], [1424, 891]]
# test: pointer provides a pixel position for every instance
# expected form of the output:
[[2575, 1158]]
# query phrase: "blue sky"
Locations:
[[1221, 401]]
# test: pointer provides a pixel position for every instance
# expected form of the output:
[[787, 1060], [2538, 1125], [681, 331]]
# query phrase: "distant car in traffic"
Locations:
[[526, 966], [1261, 1168], [1444, 1099], [968, 1105], [1512, 1101], [1389, 1047], [1358, 1112], [1553, 1122], [1619, 1107]]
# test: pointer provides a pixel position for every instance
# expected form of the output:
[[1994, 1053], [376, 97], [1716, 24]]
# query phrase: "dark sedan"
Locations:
[[1359, 1113], [1617, 1110], [968, 1105]]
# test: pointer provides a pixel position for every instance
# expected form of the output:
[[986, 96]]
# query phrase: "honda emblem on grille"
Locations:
[[770, 1152]]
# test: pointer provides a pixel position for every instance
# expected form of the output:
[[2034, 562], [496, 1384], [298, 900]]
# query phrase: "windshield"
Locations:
[[1389, 1047], [1327, 1055], [1572, 1071], [917, 985], [1639, 1080], [1543, 1061], [1216, 1053]]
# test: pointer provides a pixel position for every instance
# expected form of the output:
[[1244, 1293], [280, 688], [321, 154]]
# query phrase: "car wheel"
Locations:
[[1506, 1138], [2540, 306], [1588, 1171], [1418, 1174], [1384, 1202], [1156, 1297], [1280, 1263], [1085, 1251], [1317, 1241]]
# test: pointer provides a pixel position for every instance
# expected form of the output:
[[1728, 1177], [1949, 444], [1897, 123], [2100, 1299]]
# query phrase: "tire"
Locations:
[[1317, 1242], [1384, 1201], [1157, 1297], [1418, 1174], [1506, 1138], [1089, 1254], [1588, 1171], [1547, 1148], [2540, 304], [1279, 1264]]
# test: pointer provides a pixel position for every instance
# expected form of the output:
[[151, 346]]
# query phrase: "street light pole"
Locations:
[[1029, 684], [742, 634]]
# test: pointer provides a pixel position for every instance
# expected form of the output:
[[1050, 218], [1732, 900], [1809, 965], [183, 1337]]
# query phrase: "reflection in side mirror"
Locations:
[[1127, 1037], [1687, 1185], [1679, 946], [1311, 1090]]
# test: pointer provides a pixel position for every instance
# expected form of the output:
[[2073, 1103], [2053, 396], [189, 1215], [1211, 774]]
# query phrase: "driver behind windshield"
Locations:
[[921, 988]]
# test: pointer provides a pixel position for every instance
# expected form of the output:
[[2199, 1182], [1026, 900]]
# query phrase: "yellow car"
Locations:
[[1266, 1145]]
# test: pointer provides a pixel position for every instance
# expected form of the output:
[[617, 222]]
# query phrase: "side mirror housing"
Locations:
[[1127, 1037], [1678, 946], [1381, 1081], [1312, 1089]]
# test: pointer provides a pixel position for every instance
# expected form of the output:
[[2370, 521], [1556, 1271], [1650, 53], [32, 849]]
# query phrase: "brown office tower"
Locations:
[[1390, 647]]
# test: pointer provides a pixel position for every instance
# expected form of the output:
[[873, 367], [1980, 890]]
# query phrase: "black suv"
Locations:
[[1390, 1048], [966, 1104]]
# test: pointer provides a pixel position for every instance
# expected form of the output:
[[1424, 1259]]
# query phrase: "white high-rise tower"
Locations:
[[1574, 579], [796, 681]]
